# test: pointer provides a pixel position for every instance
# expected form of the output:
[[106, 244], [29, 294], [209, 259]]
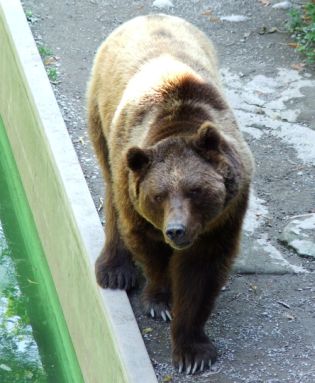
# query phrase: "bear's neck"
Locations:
[[167, 127], [183, 104]]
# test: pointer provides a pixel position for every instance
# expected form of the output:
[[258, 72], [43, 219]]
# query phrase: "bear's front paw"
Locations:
[[157, 304], [194, 357], [123, 277]]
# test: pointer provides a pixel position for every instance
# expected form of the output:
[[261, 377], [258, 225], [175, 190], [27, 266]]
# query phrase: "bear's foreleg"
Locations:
[[114, 267], [198, 274], [195, 286]]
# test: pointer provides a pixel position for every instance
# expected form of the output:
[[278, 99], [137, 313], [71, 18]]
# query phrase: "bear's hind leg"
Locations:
[[157, 291], [157, 301], [154, 257]]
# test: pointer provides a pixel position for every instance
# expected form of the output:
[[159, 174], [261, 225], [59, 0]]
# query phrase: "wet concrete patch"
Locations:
[[258, 254], [300, 235], [263, 106]]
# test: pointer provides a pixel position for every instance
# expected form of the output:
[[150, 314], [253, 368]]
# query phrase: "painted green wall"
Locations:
[[22, 235], [89, 325]]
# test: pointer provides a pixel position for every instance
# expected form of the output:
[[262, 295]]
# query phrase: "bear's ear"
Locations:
[[138, 159], [208, 137]]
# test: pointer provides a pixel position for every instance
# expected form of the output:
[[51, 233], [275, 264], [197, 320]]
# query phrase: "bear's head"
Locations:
[[182, 184]]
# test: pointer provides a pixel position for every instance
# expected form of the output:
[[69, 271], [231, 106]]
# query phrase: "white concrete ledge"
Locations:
[[101, 323]]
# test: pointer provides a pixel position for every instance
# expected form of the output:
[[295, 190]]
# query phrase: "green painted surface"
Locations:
[[86, 316], [30, 312]]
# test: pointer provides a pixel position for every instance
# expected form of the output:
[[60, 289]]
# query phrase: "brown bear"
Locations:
[[177, 174]]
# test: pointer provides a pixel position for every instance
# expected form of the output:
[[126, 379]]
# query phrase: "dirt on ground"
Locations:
[[263, 324]]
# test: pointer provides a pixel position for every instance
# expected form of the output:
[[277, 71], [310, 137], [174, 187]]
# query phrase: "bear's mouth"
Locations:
[[179, 245]]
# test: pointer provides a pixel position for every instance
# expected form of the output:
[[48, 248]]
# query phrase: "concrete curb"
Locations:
[[101, 323]]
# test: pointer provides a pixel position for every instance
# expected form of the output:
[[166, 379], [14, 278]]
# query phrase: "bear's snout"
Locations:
[[176, 235], [175, 232], [177, 218]]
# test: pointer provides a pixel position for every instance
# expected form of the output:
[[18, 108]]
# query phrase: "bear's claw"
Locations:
[[157, 303], [202, 365], [168, 314], [195, 358], [165, 314], [188, 368], [193, 369]]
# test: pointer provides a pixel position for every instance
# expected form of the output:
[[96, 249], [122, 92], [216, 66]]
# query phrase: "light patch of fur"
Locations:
[[151, 77], [175, 176]]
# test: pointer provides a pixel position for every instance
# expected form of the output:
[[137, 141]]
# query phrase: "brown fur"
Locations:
[[177, 173]]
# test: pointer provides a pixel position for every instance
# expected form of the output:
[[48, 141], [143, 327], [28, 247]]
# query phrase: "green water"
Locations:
[[35, 345]]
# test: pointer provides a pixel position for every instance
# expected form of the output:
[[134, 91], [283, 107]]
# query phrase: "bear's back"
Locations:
[[139, 41]]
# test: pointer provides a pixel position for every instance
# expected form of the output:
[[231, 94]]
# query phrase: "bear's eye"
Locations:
[[194, 192], [158, 198]]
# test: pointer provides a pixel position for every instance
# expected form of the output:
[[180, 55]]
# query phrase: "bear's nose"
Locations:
[[175, 232]]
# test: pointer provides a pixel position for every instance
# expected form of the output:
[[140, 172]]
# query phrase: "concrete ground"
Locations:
[[263, 324]]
